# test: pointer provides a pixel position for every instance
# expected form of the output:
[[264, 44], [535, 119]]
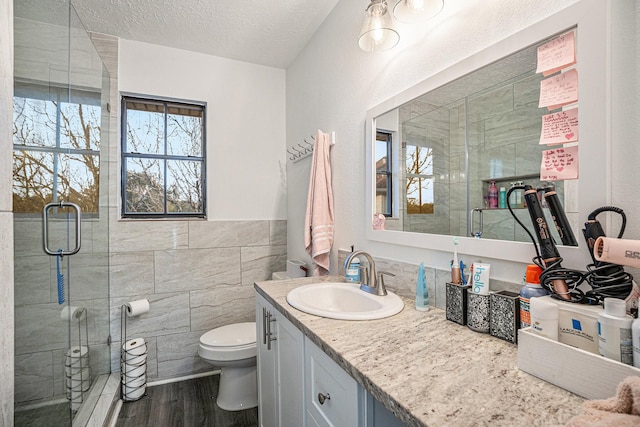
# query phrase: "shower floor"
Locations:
[[55, 415]]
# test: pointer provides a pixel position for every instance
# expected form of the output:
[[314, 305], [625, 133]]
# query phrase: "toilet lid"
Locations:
[[237, 334]]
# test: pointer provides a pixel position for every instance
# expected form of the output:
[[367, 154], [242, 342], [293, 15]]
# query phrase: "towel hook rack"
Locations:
[[307, 151]]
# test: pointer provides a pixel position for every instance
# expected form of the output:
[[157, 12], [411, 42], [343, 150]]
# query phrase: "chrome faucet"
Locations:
[[371, 281]]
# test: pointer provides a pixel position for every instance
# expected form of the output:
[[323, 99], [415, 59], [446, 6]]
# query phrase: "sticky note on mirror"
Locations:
[[557, 54], [559, 90], [561, 127], [559, 164]]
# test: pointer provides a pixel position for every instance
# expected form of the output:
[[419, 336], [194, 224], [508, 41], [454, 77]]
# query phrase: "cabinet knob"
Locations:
[[323, 397]]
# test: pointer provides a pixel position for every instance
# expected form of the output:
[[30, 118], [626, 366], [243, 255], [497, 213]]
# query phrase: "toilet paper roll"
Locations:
[[133, 393], [72, 312], [131, 372], [137, 307], [135, 347], [76, 352]]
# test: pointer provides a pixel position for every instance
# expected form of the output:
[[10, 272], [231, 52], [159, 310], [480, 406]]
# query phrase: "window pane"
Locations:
[[382, 194], [79, 177], [184, 192], [382, 156], [79, 126], [32, 180], [34, 122], [184, 132], [145, 128], [144, 185]]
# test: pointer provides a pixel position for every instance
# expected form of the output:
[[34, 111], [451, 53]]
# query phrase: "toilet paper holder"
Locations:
[[133, 363]]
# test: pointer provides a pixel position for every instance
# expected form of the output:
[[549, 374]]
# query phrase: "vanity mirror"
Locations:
[[433, 150]]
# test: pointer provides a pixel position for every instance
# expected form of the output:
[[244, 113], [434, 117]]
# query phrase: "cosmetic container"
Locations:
[[502, 198], [635, 336], [456, 302], [493, 195], [530, 289], [422, 293], [614, 331], [478, 311], [544, 318], [504, 318]]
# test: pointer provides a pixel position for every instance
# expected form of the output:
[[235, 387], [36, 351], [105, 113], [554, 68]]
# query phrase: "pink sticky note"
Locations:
[[557, 54], [561, 127], [559, 163], [559, 90]]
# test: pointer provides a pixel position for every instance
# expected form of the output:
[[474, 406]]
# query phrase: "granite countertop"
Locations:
[[430, 371]]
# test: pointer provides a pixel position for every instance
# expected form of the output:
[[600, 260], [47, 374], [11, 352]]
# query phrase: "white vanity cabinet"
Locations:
[[301, 386], [331, 395], [280, 347]]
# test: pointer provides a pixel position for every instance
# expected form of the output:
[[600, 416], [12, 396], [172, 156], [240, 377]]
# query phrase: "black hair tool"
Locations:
[[559, 217], [606, 279], [548, 256]]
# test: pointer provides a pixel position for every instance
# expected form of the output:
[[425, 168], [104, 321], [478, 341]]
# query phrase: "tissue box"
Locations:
[[504, 315], [456, 303]]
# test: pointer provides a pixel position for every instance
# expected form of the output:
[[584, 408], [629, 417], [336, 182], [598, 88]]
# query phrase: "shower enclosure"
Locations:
[[62, 357]]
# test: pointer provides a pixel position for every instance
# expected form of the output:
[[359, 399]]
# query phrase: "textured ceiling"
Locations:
[[270, 33]]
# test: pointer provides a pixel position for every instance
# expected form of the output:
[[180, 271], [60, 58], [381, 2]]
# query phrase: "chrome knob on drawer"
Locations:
[[323, 397]]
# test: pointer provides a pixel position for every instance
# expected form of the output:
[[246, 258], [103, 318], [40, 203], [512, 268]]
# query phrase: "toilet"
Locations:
[[233, 349]]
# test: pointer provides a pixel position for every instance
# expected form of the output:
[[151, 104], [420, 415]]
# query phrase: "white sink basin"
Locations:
[[343, 301]]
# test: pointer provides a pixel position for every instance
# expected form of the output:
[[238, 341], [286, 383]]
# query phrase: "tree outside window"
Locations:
[[419, 176]]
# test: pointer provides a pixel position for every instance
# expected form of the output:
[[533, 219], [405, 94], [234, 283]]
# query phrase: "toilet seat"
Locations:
[[230, 342]]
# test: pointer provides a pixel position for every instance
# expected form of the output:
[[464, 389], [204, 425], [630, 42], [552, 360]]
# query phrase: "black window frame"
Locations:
[[387, 137], [124, 155]]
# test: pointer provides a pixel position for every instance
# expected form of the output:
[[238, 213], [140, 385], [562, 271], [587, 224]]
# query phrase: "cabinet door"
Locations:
[[290, 368], [267, 373], [331, 395]]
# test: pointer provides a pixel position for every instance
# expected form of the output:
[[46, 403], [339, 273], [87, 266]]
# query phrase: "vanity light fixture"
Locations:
[[377, 32], [413, 11]]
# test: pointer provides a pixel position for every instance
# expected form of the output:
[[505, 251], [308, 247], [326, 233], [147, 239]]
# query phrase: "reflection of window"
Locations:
[[384, 175], [55, 148], [163, 158], [419, 175]]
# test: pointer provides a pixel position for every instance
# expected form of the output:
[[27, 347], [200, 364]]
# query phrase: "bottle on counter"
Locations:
[[422, 292], [493, 195], [544, 317], [530, 289], [614, 331], [635, 336]]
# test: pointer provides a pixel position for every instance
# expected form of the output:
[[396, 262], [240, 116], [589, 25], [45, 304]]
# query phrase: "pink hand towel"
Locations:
[[319, 219], [623, 410]]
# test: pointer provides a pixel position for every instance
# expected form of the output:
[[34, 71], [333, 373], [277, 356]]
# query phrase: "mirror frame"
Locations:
[[591, 17]]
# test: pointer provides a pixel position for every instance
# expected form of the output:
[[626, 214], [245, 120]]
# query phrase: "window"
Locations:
[[384, 175], [419, 174], [56, 147], [163, 158]]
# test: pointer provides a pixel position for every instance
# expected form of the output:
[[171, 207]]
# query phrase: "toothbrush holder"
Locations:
[[505, 315], [456, 302], [478, 313]]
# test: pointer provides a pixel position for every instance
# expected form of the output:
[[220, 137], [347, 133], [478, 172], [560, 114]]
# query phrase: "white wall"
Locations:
[[332, 84], [245, 122]]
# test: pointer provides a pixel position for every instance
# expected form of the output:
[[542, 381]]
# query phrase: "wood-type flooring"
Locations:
[[190, 403]]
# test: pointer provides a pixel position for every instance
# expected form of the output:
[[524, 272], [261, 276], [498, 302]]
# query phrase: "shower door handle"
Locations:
[[45, 228], [470, 224]]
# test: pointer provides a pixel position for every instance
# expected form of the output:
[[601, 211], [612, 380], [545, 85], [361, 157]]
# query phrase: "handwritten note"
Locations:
[[559, 90], [559, 164], [557, 54], [558, 128]]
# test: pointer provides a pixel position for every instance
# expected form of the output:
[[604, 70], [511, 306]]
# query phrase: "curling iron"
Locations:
[[559, 217], [548, 255]]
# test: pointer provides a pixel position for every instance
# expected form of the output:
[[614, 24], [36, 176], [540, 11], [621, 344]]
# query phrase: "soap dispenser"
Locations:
[[352, 273]]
